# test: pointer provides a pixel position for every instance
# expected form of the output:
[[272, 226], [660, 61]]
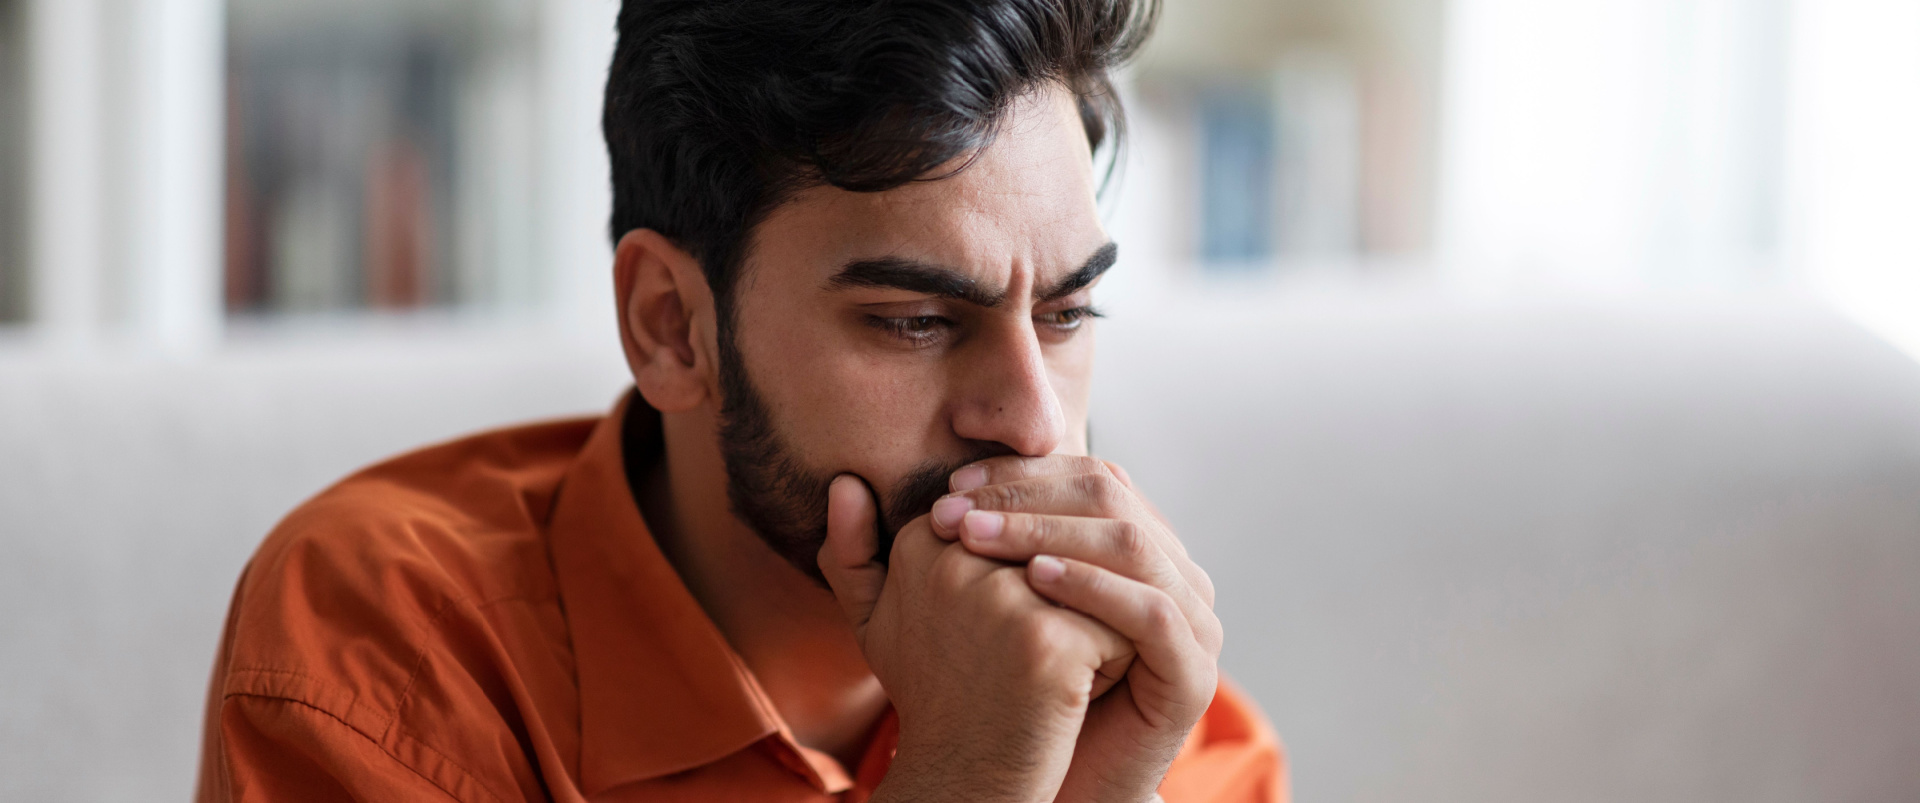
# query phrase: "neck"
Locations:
[[787, 629]]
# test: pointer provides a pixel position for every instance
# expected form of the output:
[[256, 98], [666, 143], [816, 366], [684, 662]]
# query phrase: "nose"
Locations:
[[1006, 396]]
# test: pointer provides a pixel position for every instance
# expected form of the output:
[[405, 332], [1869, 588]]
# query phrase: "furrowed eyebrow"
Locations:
[[915, 277], [1096, 265]]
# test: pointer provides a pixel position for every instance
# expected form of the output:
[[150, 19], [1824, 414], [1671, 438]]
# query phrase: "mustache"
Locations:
[[913, 496]]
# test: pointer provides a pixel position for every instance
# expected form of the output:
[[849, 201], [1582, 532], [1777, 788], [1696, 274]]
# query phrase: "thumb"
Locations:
[[848, 558]]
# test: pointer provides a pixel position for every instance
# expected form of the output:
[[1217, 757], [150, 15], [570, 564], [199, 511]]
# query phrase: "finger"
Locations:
[[946, 515], [1127, 480], [1065, 632], [1104, 492], [1101, 495], [1162, 636], [1117, 545], [848, 558], [1010, 469], [1013, 468], [1096, 495]]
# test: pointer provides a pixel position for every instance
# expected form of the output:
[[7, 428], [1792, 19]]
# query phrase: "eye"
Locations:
[[1068, 320], [918, 329]]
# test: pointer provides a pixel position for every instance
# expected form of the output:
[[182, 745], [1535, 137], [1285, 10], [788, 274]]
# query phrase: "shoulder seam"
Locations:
[[395, 730], [419, 663], [383, 748], [390, 729]]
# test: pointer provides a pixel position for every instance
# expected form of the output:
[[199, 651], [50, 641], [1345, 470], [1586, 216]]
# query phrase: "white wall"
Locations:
[[1612, 144], [1855, 169], [1623, 146]]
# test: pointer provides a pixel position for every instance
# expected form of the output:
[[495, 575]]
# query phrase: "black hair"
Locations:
[[718, 110]]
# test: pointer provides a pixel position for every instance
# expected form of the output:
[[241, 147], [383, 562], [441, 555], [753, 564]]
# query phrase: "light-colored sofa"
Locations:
[[1514, 550]]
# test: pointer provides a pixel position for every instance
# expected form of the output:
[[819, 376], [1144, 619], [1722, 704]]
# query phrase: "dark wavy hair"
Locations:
[[718, 110]]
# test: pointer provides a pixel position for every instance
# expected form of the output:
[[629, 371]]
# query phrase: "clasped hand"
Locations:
[[1042, 633]]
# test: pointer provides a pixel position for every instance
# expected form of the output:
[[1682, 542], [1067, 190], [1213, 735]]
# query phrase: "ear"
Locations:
[[666, 321]]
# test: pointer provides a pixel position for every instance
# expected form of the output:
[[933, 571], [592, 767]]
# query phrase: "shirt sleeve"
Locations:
[[1232, 756], [272, 749]]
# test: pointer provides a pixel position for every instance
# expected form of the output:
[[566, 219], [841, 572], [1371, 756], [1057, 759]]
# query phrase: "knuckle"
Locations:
[[1034, 638], [1211, 635], [1106, 492], [997, 469], [949, 571], [1130, 543], [1014, 468], [1036, 530], [1092, 583], [1000, 497], [1041, 531], [1163, 615], [1059, 646], [1008, 588], [1203, 585]]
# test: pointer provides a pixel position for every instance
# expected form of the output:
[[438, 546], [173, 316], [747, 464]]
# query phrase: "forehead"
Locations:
[[1024, 205]]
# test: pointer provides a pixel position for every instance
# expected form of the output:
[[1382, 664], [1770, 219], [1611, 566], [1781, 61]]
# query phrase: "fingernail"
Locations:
[[969, 478], [947, 511], [1046, 568], [982, 525]]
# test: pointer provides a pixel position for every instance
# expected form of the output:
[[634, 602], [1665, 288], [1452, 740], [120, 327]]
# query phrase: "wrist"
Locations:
[[1108, 795], [940, 772], [1111, 796], [1105, 776], [1151, 796]]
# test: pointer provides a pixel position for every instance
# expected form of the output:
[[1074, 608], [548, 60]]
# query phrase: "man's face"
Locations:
[[900, 335]]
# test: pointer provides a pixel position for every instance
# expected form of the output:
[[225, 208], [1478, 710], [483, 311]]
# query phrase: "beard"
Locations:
[[782, 498]]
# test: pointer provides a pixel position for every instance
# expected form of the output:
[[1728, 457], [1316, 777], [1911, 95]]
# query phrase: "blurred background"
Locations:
[[1537, 377]]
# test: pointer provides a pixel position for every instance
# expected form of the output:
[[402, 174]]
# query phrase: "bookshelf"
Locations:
[[198, 171], [1300, 131], [379, 156]]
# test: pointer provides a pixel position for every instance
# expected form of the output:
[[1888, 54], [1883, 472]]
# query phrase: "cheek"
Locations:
[[841, 407], [880, 407]]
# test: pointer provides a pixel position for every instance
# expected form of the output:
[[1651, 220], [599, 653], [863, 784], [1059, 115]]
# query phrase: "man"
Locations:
[[843, 542]]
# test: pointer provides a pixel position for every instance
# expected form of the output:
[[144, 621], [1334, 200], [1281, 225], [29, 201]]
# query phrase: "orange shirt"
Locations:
[[488, 620]]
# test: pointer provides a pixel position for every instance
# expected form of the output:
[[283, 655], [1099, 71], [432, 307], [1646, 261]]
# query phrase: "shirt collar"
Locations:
[[661, 691]]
